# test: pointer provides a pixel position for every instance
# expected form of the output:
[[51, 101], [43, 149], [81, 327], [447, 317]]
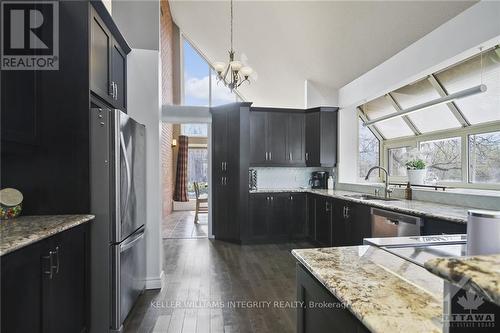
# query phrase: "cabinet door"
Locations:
[[101, 42], [341, 227], [276, 138], [311, 216], [440, 227], [296, 139], [298, 215], [258, 150], [21, 286], [328, 133], [323, 221], [119, 76], [360, 222], [312, 139], [66, 295], [219, 130], [278, 217], [259, 211]]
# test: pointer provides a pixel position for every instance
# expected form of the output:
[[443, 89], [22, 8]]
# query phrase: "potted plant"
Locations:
[[416, 171]]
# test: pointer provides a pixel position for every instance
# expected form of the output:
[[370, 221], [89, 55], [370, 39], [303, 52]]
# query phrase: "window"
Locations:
[[197, 170], [196, 77], [483, 107], [484, 158], [200, 82], [397, 160], [444, 159], [465, 112], [368, 152], [194, 130], [389, 129], [436, 118]]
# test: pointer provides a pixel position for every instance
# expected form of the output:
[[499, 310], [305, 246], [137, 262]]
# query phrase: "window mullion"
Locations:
[[465, 158]]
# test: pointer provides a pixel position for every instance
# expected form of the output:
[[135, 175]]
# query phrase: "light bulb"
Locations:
[[219, 67], [235, 65], [246, 71]]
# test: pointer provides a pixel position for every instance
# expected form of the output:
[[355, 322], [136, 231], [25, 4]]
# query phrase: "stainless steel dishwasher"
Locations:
[[386, 223]]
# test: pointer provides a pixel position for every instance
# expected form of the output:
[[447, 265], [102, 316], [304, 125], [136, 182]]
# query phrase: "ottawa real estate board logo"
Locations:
[[30, 35]]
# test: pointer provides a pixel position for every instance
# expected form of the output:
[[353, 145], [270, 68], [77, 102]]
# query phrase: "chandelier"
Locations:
[[234, 73]]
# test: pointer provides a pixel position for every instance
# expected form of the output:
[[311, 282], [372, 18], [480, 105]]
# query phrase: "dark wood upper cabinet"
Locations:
[[296, 139], [276, 137], [119, 75], [292, 137], [258, 152], [108, 64], [321, 137]]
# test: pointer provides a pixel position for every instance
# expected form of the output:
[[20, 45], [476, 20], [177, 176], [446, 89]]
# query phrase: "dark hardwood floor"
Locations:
[[202, 279]]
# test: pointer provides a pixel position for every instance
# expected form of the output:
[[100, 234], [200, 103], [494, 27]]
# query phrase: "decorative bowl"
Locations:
[[11, 203]]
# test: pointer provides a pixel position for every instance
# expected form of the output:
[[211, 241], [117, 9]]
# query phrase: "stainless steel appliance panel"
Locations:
[[390, 224], [130, 146], [129, 280]]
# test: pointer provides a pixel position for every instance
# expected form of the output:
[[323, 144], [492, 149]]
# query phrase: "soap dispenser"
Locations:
[[330, 183]]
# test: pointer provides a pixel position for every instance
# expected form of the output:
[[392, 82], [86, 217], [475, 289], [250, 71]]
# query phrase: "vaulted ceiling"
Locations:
[[328, 43]]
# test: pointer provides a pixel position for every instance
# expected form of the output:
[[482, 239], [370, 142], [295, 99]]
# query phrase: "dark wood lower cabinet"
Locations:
[[45, 285], [440, 227], [277, 217], [323, 224], [318, 319]]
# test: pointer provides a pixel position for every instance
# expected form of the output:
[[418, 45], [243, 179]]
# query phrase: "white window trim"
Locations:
[[463, 133]]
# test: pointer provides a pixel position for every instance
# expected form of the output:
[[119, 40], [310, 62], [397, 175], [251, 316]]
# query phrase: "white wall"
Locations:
[[318, 95], [143, 104], [455, 40]]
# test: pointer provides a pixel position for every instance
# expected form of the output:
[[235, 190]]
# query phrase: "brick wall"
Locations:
[[167, 54]]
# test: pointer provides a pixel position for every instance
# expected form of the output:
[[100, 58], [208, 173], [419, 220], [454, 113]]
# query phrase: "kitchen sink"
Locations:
[[369, 197]]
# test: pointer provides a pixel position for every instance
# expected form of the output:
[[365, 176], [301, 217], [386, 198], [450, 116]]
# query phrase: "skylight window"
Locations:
[[436, 118], [473, 110], [480, 108], [391, 128]]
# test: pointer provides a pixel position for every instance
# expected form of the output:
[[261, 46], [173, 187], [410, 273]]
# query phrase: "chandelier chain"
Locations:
[[231, 25]]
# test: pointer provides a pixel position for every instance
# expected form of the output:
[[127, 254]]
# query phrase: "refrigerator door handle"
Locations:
[[127, 169], [133, 239]]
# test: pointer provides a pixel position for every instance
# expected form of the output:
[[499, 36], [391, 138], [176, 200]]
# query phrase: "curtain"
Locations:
[[180, 193]]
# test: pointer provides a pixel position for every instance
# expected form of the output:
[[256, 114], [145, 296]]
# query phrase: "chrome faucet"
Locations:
[[387, 191]]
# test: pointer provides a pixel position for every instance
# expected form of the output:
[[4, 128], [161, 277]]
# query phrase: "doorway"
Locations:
[[190, 216]]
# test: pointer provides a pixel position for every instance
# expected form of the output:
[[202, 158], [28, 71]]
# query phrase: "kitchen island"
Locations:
[[364, 288]]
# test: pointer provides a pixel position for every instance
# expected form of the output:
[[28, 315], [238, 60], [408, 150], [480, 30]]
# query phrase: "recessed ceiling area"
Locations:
[[328, 43]]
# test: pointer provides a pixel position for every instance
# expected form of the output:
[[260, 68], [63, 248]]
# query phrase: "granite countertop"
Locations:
[[22, 231], [455, 214], [479, 274], [385, 292]]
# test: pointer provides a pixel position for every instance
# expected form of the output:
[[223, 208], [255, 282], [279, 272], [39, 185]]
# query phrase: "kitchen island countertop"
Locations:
[[479, 274], [384, 292]]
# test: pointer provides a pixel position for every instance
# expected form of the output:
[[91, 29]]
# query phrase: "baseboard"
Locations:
[[155, 282]]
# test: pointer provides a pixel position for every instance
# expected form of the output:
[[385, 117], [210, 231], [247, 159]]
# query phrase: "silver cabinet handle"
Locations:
[[270, 156], [307, 156], [116, 91], [267, 156], [56, 252], [222, 166], [272, 198], [51, 265]]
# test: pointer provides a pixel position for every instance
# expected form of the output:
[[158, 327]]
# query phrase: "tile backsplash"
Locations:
[[270, 178]]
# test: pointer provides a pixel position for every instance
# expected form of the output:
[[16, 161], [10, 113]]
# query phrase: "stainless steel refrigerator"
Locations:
[[118, 200]]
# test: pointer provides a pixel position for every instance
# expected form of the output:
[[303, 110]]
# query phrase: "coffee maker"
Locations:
[[319, 179]]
